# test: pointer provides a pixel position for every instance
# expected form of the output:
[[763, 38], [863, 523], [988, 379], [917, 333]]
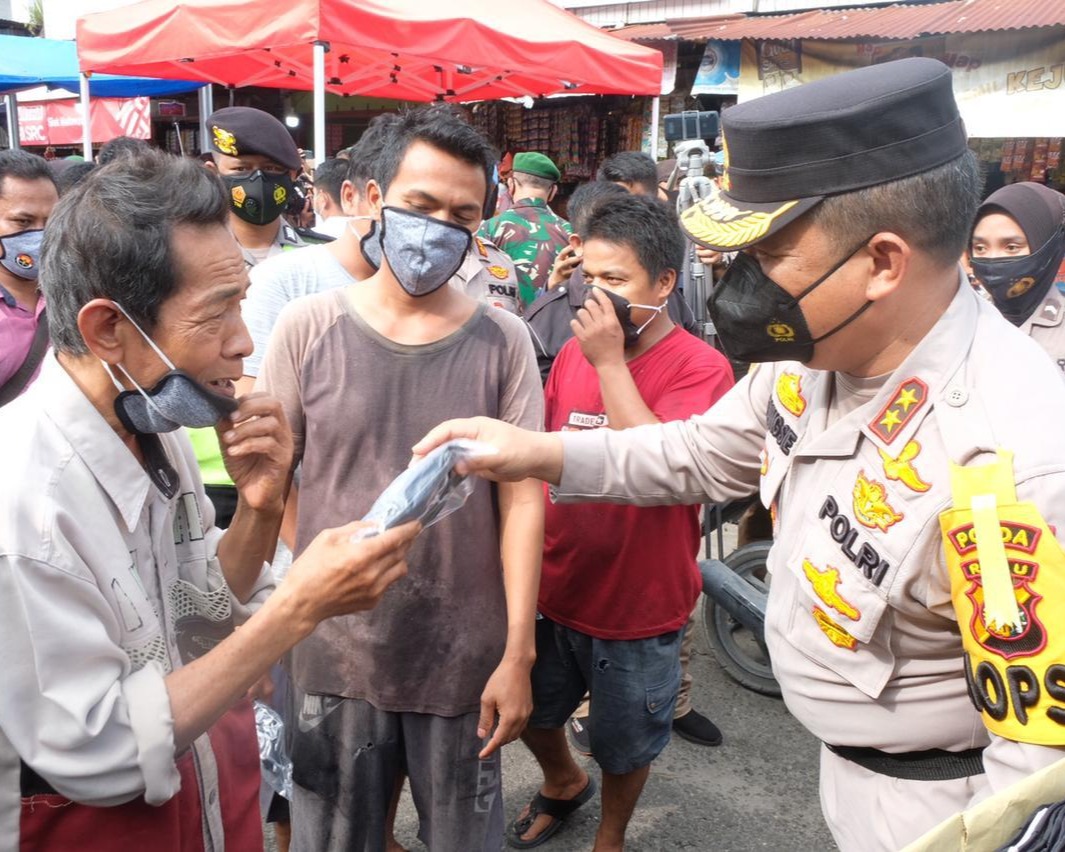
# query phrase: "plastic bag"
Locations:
[[427, 491], [276, 765]]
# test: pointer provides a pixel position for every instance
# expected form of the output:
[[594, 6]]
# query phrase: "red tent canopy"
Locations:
[[402, 49]]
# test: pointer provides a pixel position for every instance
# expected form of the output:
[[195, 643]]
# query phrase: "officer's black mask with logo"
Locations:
[[758, 320], [259, 198]]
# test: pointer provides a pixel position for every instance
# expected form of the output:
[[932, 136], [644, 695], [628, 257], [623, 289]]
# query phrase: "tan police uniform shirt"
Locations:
[[1046, 326], [860, 623], [488, 275]]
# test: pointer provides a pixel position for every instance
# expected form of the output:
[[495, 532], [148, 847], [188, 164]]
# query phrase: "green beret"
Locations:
[[535, 163]]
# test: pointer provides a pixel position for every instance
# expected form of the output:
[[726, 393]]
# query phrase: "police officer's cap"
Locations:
[[787, 151], [238, 131], [535, 163]]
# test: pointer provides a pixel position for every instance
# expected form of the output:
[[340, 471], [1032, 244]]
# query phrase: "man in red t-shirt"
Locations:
[[618, 582]]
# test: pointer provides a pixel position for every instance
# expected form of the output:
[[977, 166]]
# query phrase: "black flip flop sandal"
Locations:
[[557, 809]]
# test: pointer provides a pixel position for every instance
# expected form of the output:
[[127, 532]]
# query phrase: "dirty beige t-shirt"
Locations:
[[357, 403]]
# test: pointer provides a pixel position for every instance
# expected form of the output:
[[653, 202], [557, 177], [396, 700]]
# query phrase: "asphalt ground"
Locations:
[[757, 790]]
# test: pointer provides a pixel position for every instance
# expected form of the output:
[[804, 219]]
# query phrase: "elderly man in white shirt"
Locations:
[[121, 689]]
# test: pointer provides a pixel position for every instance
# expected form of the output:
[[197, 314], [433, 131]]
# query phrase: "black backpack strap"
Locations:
[[17, 383]]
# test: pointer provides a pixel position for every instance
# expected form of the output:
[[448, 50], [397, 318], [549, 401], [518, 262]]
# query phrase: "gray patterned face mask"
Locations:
[[175, 400], [22, 253], [422, 252]]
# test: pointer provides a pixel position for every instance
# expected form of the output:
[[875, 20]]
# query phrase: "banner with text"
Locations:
[[1006, 83], [59, 122]]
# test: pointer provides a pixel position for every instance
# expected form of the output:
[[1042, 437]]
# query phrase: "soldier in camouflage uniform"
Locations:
[[530, 232]]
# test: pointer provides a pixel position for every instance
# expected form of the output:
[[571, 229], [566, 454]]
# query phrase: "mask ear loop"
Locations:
[[125, 372], [656, 308], [147, 399], [150, 342], [826, 276]]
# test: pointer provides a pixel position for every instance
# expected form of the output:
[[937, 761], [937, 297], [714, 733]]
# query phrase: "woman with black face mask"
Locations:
[[1015, 252]]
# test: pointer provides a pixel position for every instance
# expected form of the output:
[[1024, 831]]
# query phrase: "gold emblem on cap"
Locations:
[[279, 194], [717, 222], [224, 141]]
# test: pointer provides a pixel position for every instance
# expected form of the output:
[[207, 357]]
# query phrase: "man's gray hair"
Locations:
[[933, 211], [110, 238]]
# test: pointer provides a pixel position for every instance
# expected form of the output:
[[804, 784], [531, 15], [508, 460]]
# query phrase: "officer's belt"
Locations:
[[933, 764]]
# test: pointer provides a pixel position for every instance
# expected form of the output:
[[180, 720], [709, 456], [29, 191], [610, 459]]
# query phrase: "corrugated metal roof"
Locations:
[[646, 32], [897, 21]]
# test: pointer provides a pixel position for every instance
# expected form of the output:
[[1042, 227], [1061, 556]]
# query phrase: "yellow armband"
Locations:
[[1007, 579]]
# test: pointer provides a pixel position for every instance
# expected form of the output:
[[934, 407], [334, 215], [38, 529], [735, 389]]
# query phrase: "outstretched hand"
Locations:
[[520, 453]]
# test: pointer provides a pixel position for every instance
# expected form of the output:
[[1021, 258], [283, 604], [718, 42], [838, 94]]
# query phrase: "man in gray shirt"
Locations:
[[439, 678]]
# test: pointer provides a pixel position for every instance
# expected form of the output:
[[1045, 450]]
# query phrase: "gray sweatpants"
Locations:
[[346, 757]]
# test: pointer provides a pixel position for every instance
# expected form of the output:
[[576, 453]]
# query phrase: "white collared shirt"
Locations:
[[105, 587]]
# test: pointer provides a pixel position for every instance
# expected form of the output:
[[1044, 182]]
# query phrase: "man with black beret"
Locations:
[[905, 437], [258, 161], [530, 232]]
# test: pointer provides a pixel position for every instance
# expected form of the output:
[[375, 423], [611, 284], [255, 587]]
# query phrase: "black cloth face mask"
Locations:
[[758, 320], [259, 198], [623, 311], [1019, 284]]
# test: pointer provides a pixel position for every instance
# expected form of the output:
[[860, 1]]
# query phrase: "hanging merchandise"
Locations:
[[571, 134]]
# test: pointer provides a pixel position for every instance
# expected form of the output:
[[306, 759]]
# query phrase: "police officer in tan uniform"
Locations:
[[905, 436], [1017, 246]]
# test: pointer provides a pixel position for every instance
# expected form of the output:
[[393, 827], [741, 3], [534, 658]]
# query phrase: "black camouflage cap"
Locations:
[[237, 131], [785, 152]]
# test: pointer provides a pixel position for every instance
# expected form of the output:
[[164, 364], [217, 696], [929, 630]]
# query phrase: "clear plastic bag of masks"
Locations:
[[427, 491]]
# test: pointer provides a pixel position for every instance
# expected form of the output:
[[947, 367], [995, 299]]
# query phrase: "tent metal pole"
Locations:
[[206, 108], [319, 101], [12, 122], [656, 113], [86, 118]]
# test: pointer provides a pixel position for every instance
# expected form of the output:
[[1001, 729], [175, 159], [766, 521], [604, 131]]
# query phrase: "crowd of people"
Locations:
[[209, 372]]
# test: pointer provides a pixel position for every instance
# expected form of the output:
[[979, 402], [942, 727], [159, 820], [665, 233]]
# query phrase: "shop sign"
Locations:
[[59, 122], [1007, 83]]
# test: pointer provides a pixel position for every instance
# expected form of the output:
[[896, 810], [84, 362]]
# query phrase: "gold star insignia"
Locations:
[[891, 420], [907, 398]]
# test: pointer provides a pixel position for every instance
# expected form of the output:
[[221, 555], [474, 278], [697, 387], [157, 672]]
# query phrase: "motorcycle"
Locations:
[[733, 613]]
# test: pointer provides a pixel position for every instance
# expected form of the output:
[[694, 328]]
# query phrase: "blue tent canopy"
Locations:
[[28, 62]]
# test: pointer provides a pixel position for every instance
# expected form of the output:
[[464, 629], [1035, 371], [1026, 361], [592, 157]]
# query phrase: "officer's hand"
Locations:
[[565, 263], [598, 331], [709, 257], [256, 447], [520, 454], [338, 574]]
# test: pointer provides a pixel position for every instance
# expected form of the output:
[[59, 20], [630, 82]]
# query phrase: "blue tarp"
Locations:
[[28, 62]]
